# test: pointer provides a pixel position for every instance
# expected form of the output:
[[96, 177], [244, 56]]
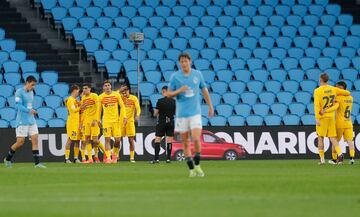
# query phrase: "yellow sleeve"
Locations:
[[72, 107], [137, 106], [99, 107], [341, 92], [122, 105], [317, 106], [96, 100], [332, 108]]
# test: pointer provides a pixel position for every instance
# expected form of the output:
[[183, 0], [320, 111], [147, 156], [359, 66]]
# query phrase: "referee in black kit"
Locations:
[[165, 112]]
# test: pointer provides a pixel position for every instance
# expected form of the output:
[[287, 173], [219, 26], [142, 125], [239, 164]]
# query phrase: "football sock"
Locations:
[[76, 152], [352, 153], [321, 154], [334, 156], [108, 154], [168, 151], [157, 150], [10, 155], [116, 151], [338, 150], [67, 154], [83, 153], [190, 163], [89, 150], [36, 156], [197, 158], [102, 147], [132, 155]]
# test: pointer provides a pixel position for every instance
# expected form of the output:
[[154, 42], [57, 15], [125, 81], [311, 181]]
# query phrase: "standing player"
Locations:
[[25, 122], [185, 85], [73, 124], [127, 119], [165, 112], [324, 98], [109, 102], [344, 126]]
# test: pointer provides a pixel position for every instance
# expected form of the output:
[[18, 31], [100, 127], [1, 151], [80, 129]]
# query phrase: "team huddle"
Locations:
[[332, 107], [113, 111]]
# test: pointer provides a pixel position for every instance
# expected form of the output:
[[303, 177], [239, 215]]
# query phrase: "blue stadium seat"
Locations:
[[226, 53], [2, 101], [214, 10], [242, 109], [202, 32], [38, 102], [125, 44], [254, 31], [265, 10], [260, 75], [297, 109], [307, 63], [28, 66], [254, 120], [310, 108], [255, 86], [288, 31], [58, 13], [155, 54], [8, 113], [107, 22], [316, 10], [162, 43], [272, 63], [209, 75], [284, 97], [204, 109], [197, 10], [148, 65], [279, 109], [128, 11], [306, 31], [219, 64], [267, 98], [150, 32], [348, 52], [61, 89], [279, 53], [162, 11], [237, 86], [249, 98], [356, 62], [342, 63], [202, 64], [173, 21], [219, 87], [122, 22], [261, 53], [185, 32], [120, 55], [318, 41], [308, 119], [330, 52], [291, 120], [121, 3], [277, 21], [154, 98], [299, 10], [261, 109], [134, 54], [130, 65], [290, 63], [357, 84], [324, 63], [191, 21], [194, 53], [248, 10], [303, 97], [48, 5], [336, 41], [340, 30], [4, 123], [284, 42], [169, 3], [355, 109], [301, 42], [272, 31], [166, 65], [216, 98], [231, 98], [254, 63], [45, 113], [266, 42], [272, 120], [146, 89], [225, 110], [11, 102], [109, 44], [308, 85], [80, 34], [294, 20], [282, 10], [86, 22], [218, 121], [225, 75], [236, 31], [12, 78], [333, 9], [349, 74], [197, 43], [238, 3], [172, 54], [230, 42], [291, 86], [249, 42], [113, 12], [204, 120], [213, 42], [91, 45], [11, 66], [278, 75], [7, 45], [18, 56], [42, 89], [93, 12], [179, 43], [333, 73], [34, 74], [273, 86], [226, 21], [66, 3], [76, 12], [345, 19], [101, 56], [355, 30], [313, 52], [296, 53], [153, 76], [236, 120], [56, 122], [4, 56]]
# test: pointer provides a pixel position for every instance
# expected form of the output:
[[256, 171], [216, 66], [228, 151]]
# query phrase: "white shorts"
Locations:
[[183, 125], [26, 130]]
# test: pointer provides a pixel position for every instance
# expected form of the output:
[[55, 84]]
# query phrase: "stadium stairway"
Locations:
[[37, 48], [349, 7]]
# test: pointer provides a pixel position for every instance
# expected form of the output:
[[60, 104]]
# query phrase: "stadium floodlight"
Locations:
[[137, 38]]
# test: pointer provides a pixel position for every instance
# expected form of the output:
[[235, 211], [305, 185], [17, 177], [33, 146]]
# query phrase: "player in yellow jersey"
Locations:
[[132, 114], [344, 126], [324, 98], [82, 134], [109, 102], [72, 124]]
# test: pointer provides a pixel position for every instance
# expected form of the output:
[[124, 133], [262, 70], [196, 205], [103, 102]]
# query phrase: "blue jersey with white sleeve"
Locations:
[[188, 103], [24, 103]]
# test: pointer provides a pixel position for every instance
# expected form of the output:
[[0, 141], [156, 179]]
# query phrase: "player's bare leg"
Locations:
[[132, 149], [17, 145], [67, 150], [333, 161], [351, 150], [83, 148], [340, 156], [187, 152], [95, 143], [196, 133], [116, 150], [107, 150], [321, 150], [76, 151], [156, 149], [169, 141], [35, 151]]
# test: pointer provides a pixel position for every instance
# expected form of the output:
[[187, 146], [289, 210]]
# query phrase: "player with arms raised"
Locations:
[[186, 85], [324, 98]]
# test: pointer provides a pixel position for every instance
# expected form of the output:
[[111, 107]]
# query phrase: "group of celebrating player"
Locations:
[[333, 106], [113, 111]]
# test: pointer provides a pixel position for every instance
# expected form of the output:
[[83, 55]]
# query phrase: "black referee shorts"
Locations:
[[164, 130]]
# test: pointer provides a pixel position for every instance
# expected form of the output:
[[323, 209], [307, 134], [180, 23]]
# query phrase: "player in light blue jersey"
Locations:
[[25, 122], [185, 86]]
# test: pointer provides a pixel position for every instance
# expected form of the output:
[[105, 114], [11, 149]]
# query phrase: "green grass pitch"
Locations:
[[288, 188]]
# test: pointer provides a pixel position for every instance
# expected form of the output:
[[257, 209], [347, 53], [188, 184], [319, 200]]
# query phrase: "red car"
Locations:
[[213, 147]]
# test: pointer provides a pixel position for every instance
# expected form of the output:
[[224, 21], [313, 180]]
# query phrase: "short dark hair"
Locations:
[[324, 77], [184, 55], [87, 85], [74, 87], [30, 79], [107, 82], [164, 87], [341, 83]]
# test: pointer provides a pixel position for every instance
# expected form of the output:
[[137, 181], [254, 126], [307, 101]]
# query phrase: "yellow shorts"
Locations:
[[91, 131], [111, 129], [73, 131], [327, 128], [128, 130], [348, 133], [82, 134]]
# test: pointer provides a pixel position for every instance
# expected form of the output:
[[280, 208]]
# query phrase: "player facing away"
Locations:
[[165, 113], [324, 98], [109, 102], [73, 124], [25, 122], [344, 126], [186, 85], [127, 119]]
